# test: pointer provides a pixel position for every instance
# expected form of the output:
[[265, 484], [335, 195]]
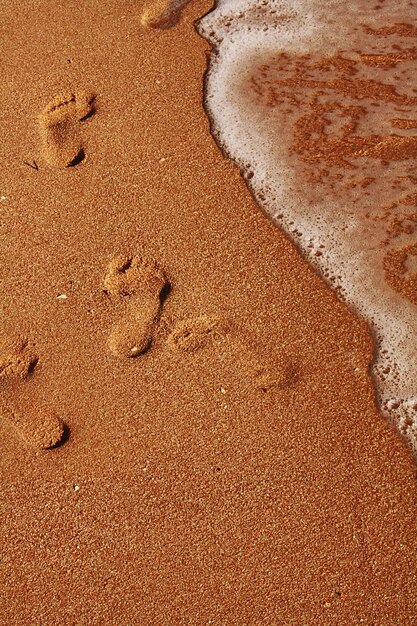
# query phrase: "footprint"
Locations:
[[196, 333], [277, 373], [162, 13], [18, 361], [141, 282], [59, 125], [17, 358]]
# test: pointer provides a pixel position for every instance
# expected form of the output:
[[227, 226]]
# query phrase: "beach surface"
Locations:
[[221, 458]]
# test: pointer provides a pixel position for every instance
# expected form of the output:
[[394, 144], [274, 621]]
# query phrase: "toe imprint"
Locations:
[[79, 105], [130, 275]]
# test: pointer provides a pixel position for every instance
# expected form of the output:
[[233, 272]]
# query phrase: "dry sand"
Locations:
[[236, 470]]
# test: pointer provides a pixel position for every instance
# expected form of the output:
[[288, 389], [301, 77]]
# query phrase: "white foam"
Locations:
[[244, 33]]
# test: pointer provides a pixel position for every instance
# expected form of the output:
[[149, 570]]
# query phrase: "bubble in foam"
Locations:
[[317, 104]]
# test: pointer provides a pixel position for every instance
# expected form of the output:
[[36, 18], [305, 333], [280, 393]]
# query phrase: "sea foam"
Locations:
[[316, 103]]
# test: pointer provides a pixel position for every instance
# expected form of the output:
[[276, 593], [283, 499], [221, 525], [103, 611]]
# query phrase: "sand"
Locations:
[[235, 469]]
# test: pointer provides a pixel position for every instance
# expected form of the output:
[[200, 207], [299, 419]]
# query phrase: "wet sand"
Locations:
[[234, 469]]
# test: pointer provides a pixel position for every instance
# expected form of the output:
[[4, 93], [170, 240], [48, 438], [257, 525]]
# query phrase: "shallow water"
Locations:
[[316, 103]]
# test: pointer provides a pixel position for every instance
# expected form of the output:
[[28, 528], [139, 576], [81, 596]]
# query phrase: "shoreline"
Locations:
[[312, 126]]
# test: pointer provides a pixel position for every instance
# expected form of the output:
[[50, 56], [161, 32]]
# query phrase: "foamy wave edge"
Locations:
[[236, 29]]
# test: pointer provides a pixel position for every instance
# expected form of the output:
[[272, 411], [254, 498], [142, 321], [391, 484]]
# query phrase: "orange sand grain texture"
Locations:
[[244, 477]]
